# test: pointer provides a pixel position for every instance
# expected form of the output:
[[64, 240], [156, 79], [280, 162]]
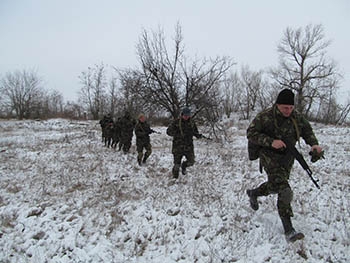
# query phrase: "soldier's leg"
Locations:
[[139, 148], [177, 164], [114, 141], [266, 188], [139, 157], [261, 190], [127, 145], [103, 135], [148, 152], [189, 160], [284, 199]]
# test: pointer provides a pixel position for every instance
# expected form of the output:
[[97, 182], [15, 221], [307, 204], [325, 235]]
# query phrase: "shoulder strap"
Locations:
[[294, 123]]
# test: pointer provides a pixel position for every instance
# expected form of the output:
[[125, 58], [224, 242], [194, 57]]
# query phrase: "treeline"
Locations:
[[168, 80]]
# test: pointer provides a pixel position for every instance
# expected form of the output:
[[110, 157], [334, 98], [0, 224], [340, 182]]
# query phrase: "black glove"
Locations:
[[315, 156]]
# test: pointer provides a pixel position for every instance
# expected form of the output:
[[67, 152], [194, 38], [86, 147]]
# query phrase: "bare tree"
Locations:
[[92, 93], [20, 91], [112, 97], [246, 92], [133, 95], [303, 65], [54, 104], [73, 110], [251, 90], [168, 81], [229, 90]]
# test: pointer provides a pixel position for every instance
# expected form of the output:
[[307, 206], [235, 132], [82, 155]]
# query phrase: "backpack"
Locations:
[[253, 151]]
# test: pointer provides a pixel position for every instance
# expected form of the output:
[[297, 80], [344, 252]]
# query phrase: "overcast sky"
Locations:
[[61, 38]]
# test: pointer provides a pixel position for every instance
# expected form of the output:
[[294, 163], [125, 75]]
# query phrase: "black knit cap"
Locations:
[[286, 97], [186, 111]]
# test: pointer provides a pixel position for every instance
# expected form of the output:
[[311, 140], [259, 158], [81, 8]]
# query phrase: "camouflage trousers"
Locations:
[[178, 155], [125, 142], [140, 147], [277, 183]]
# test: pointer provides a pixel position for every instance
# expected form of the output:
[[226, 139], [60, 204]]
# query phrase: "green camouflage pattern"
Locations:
[[127, 124], [267, 126], [142, 132], [103, 123], [182, 132]]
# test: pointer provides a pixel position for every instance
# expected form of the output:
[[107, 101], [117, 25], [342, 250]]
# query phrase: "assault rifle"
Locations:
[[299, 157]]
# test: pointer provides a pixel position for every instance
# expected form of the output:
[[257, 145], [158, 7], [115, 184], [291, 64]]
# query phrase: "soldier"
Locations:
[[109, 133], [127, 124], [104, 123], [267, 131], [116, 134], [142, 132], [182, 130]]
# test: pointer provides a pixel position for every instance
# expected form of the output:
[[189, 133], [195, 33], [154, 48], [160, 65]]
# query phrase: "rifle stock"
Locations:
[[299, 157]]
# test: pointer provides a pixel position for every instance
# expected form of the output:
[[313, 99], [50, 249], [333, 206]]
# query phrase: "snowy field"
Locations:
[[67, 198]]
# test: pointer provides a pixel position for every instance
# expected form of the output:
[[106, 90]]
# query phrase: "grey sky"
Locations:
[[61, 38]]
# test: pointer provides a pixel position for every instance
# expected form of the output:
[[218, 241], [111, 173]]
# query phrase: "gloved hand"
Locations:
[[315, 156]]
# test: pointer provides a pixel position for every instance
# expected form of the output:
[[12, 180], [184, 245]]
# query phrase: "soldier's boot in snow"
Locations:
[[253, 199], [139, 158], [145, 157], [176, 170], [183, 168], [289, 231]]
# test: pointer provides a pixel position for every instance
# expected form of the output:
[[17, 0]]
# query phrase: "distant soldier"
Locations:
[[103, 123], [270, 130], [127, 124], [116, 134], [142, 132], [109, 129], [182, 130]]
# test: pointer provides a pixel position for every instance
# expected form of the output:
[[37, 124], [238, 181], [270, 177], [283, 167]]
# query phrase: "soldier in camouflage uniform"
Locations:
[[268, 130], [142, 132], [104, 123], [116, 134], [109, 129], [182, 130], [127, 124]]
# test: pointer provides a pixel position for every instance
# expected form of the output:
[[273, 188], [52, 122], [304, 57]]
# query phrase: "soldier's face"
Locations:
[[286, 110], [142, 119], [185, 117]]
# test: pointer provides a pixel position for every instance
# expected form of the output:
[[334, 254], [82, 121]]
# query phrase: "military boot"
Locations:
[[253, 199], [183, 168], [289, 231], [176, 169], [145, 158]]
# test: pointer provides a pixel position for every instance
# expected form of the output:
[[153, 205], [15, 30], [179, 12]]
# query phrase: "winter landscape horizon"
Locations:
[[67, 198]]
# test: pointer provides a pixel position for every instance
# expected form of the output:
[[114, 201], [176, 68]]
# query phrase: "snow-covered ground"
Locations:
[[66, 198]]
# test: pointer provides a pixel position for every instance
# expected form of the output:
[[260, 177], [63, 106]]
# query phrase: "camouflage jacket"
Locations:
[[271, 124], [117, 127], [109, 128], [127, 125], [182, 132], [104, 122], [142, 132]]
